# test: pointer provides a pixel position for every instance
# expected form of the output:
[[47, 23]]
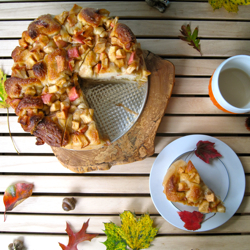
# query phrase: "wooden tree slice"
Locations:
[[138, 142]]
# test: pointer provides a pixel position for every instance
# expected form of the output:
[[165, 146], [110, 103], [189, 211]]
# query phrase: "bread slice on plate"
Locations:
[[182, 183]]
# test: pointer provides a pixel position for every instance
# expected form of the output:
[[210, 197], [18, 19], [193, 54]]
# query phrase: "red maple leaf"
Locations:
[[205, 150], [76, 238], [192, 220], [15, 194]]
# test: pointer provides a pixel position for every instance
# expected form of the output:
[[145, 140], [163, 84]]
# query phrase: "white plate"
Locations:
[[225, 175]]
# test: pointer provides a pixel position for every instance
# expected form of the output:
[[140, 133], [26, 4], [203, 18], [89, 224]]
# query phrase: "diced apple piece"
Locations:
[[75, 125], [55, 106], [73, 52], [48, 98], [61, 115], [131, 58], [73, 94], [87, 115], [53, 89]]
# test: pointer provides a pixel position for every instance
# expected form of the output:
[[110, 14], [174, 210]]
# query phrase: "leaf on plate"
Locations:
[[190, 38], [76, 238], [229, 5], [205, 151], [192, 220], [136, 233], [15, 194]]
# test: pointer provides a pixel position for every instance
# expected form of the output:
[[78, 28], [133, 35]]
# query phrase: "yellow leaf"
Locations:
[[229, 5]]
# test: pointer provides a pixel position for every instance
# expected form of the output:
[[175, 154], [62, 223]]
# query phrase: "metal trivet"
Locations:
[[117, 106]]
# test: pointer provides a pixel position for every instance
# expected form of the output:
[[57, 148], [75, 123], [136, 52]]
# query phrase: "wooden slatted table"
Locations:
[[102, 195]]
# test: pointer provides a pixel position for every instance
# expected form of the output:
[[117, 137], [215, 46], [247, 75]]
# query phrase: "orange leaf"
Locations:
[[76, 238], [15, 194]]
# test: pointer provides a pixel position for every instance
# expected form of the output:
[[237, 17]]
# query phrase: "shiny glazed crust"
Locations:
[[53, 53], [182, 183]]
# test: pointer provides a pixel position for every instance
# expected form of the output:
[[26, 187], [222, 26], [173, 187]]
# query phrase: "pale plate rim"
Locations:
[[175, 149]]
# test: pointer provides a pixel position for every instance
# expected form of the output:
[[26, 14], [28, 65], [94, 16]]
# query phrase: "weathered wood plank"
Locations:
[[174, 124], [95, 205], [124, 9], [154, 28], [50, 165], [56, 224], [84, 184], [240, 145], [203, 125], [237, 143], [171, 47], [183, 67], [228, 242], [81, 184]]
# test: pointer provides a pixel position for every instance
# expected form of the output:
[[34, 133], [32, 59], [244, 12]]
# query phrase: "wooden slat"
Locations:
[[95, 205], [203, 125], [50, 164], [183, 67], [173, 124], [154, 28], [230, 242], [81, 184], [192, 105], [183, 10], [225, 242], [173, 47], [56, 224], [239, 144], [84, 184], [182, 86]]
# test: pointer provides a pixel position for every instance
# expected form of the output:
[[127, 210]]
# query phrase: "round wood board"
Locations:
[[138, 142]]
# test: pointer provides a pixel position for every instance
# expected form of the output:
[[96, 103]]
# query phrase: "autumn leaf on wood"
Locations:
[[4, 104], [15, 194], [76, 238], [3, 94], [192, 220], [229, 5], [205, 150], [133, 232], [190, 38]]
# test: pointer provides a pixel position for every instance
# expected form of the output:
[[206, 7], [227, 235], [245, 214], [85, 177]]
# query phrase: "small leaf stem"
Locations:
[[8, 122]]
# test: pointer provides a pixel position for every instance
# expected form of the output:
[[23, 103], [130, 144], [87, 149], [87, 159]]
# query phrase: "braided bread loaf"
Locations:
[[53, 53]]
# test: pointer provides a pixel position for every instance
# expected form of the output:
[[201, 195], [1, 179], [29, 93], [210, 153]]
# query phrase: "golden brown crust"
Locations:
[[16, 86], [90, 16], [45, 24], [125, 35]]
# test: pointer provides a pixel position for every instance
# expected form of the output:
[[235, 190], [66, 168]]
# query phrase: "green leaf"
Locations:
[[190, 38], [4, 104], [114, 240], [3, 94], [229, 5], [136, 233]]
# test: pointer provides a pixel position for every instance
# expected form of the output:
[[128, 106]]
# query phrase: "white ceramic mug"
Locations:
[[229, 87]]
